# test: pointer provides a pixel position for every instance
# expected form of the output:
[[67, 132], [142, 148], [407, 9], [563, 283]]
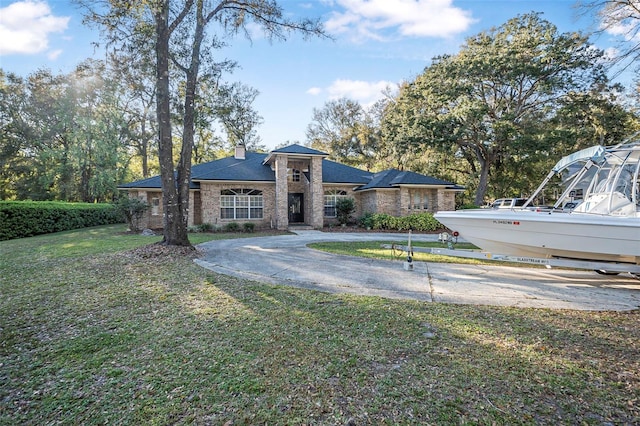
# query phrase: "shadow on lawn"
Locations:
[[450, 363]]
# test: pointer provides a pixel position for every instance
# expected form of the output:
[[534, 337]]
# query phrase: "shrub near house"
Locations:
[[422, 222], [345, 207]]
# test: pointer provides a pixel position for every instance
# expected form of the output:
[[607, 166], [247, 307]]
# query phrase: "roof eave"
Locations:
[[425, 185], [234, 181], [149, 188], [291, 156]]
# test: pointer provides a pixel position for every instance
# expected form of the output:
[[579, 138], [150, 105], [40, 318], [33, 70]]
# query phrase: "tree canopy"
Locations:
[[63, 136], [493, 116], [493, 104], [346, 131]]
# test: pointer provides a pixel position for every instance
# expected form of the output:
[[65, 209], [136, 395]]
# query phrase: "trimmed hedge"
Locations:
[[417, 222], [19, 219]]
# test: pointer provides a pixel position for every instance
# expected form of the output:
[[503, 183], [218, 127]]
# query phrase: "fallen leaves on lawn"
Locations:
[[162, 252]]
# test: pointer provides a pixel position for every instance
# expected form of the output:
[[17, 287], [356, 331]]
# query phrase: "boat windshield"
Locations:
[[597, 180], [595, 153], [613, 187]]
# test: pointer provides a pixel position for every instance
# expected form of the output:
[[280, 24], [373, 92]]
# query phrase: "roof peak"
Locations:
[[299, 149]]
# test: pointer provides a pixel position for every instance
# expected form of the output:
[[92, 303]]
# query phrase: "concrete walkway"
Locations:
[[286, 260]]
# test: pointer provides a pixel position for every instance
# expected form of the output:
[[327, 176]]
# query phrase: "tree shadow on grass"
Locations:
[[395, 360]]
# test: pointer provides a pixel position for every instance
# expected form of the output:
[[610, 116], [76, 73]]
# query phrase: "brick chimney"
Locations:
[[240, 152]]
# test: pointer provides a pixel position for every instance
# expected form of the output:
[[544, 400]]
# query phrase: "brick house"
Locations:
[[294, 185]]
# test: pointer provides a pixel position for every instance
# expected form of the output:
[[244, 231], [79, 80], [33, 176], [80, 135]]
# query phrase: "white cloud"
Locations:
[[25, 27], [365, 92], [53, 55], [611, 53], [621, 20], [371, 19], [315, 91], [628, 31]]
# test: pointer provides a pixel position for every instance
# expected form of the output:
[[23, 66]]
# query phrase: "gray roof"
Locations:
[[230, 168], [393, 178], [253, 169], [299, 149], [333, 172], [153, 182]]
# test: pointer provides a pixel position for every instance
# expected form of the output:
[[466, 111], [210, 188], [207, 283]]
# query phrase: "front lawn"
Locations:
[[94, 330]]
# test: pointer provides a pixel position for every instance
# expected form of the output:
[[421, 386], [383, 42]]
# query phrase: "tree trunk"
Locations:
[[483, 184], [144, 145], [184, 164], [486, 159], [175, 225]]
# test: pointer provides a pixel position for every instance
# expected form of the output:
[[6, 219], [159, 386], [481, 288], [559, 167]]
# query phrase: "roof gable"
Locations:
[[299, 149]]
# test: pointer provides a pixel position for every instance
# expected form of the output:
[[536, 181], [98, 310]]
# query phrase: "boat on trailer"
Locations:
[[594, 222]]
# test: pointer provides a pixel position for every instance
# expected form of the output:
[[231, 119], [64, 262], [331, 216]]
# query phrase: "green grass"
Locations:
[[91, 333], [101, 240], [374, 250]]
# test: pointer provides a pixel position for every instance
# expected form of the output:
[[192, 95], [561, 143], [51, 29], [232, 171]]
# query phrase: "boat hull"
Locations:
[[529, 233]]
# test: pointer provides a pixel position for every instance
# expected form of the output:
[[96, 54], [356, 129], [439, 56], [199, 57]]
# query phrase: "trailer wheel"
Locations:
[[605, 272]]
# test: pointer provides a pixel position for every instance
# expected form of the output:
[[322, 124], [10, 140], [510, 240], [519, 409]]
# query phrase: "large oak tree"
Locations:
[[490, 104]]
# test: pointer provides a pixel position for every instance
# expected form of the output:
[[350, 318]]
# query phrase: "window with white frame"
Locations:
[[419, 201], [155, 206], [295, 175], [330, 198], [241, 203]]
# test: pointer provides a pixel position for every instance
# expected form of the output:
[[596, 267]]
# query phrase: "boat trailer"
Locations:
[[601, 267]]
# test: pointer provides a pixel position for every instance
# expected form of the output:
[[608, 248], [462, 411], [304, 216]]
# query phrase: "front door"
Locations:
[[296, 208]]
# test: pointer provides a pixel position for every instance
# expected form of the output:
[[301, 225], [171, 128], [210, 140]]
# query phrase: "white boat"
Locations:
[[596, 218]]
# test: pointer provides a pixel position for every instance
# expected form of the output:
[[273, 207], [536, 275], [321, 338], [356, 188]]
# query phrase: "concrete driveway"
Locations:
[[286, 260]]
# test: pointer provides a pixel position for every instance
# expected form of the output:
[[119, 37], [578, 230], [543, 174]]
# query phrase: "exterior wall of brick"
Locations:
[[205, 204], [404, 204], [282, 193], [197, 208], [316, 193], [210, 201], [445, 200], [368, 202], [357, 196], [387, 202], [401, 202], [152, 218], [428, 196]]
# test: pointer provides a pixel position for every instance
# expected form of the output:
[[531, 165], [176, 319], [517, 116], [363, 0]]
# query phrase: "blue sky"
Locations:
[[377, 43]]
